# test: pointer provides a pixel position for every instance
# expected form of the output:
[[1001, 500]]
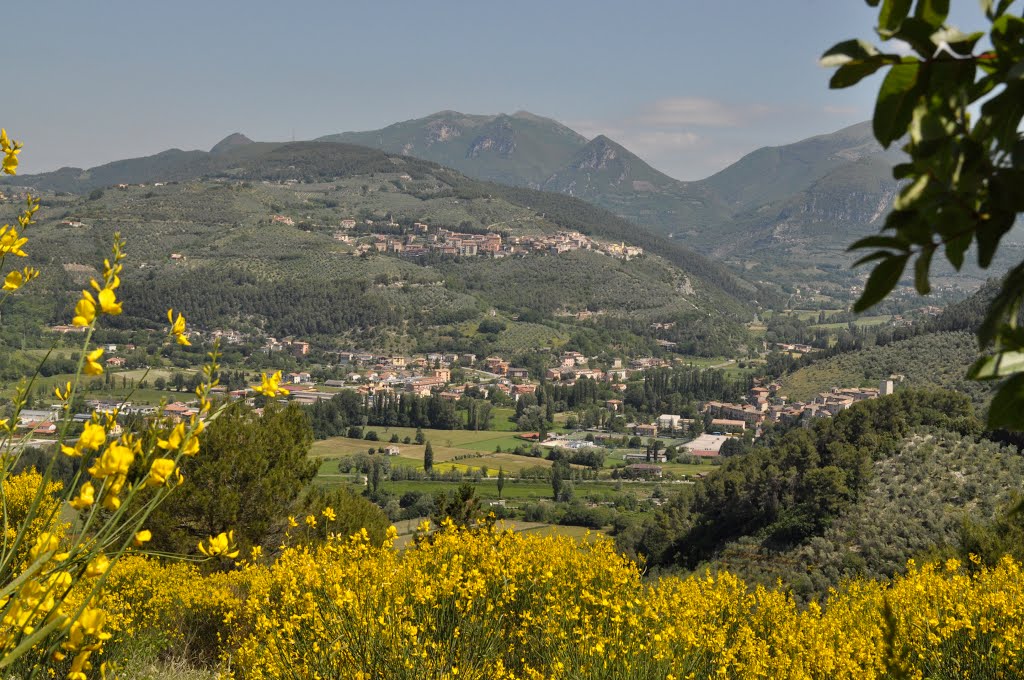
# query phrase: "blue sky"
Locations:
[[689, 85]]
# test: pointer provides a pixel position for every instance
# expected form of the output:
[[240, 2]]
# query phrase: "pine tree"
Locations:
[[501, 480]]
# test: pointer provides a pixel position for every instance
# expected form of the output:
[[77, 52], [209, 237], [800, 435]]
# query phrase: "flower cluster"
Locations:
[[10, 150], [13, 241], [53, 573], [485, 604], [105, 300], [270, 386]]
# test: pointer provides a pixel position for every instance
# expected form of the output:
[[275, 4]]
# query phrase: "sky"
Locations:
[[689, 85]]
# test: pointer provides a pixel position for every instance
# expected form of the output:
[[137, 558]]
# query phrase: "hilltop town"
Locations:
[[419, 239]]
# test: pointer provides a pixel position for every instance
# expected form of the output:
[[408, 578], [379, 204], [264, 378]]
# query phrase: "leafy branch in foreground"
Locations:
[[963, 177]]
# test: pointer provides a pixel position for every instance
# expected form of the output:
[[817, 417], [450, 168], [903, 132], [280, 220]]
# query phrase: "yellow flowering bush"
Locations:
[[19, 492], [486, 604], [53, 573]]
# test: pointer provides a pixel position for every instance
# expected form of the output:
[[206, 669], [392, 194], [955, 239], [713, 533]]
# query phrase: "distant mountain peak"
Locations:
[[603, 141], [233, 140], [602, 151], [447, 113]]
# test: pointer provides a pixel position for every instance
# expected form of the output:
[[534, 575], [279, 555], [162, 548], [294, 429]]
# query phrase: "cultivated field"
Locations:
[[463, 450]]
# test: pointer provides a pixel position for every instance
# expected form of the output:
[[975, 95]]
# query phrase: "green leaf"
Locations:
[[1007, 410], [921, 268], [895, 104], [883, 279], [955, 249], [932, 11], [902, 170], [847, 51], [853, 72], [998, 366], [929, 124], [892, 14], [1005, 111], [960, 42], [878, 255], [918, 33], [1016, 71], [1006, 302], [989, 233], [1003, 6], [911, 194]]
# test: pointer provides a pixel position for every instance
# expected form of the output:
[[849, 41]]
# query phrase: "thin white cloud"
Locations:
[[841, 110], [698, 111], [682, 136], [690, 138], [640, 140], [664, 140], [593, 128]]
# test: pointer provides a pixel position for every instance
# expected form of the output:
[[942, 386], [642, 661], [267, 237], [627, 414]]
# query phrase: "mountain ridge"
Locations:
[[775, 208], [767, 190], [277, 213]]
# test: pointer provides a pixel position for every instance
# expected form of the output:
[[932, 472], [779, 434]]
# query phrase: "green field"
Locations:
[[515, 489], [705, 362], [878, 320], [463, 450], [407, 529]]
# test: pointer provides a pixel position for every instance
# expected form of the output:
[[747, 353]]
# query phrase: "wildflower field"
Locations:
[[496, 604]]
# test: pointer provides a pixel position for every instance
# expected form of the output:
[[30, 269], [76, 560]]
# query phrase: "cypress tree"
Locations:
[[428, 459]]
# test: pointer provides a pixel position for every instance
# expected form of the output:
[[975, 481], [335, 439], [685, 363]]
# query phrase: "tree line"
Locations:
[[796, 481]]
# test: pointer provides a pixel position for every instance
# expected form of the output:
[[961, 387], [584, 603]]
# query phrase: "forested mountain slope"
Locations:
[[887, 480], [937, 360], [918, 505], [254, 241]]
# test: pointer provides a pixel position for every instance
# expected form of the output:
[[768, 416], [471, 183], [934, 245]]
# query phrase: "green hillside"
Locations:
[[773, 173], [931, 360], [915, 506], [783, 215], [255, 245]]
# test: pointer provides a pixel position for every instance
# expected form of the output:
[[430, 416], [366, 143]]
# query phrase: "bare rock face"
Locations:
[[501, 141], [597, 156], [442, 131]]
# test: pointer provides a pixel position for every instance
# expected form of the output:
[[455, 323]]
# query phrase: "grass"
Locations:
[[688, 468], [704, 362], [45, 386], [503, 419], [464, 450], [515, 489], [407, 529], [862, 321]]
